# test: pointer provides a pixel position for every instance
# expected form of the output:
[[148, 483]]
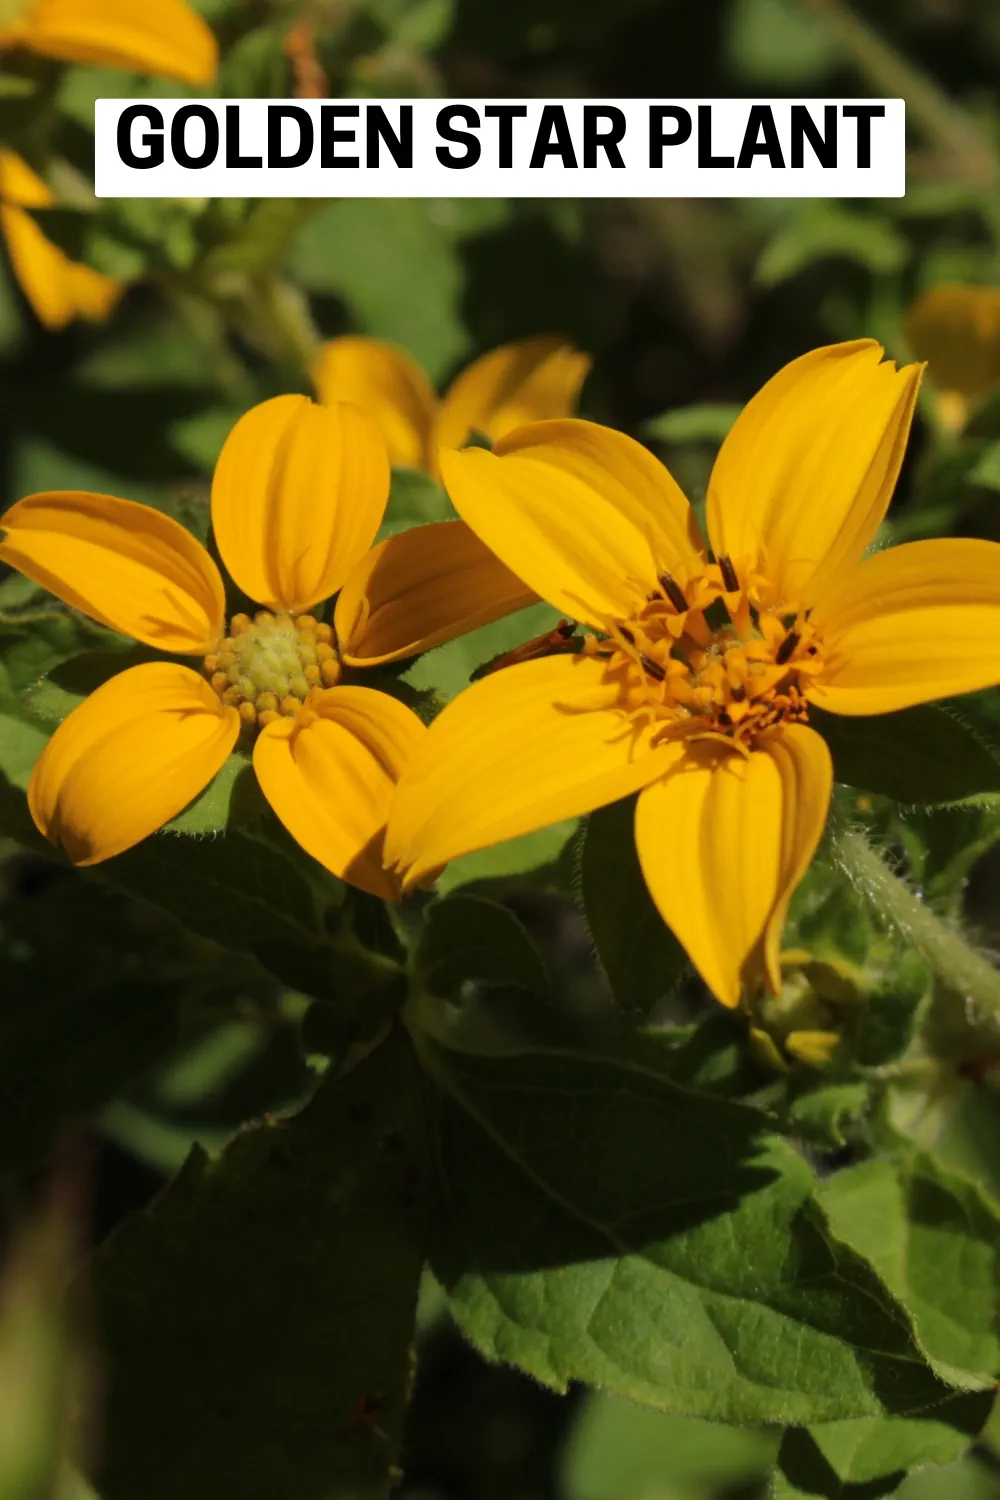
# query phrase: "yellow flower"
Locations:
[[704, 714], [298, 495], [59, 289], [163, 37], [956, 329], [517, 383]]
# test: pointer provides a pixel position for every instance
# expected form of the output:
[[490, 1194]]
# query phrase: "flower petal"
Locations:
[[298, 495], [515, 752], [127, 565], [805, 476], [131, 757], [389, 384], [915, 623], [723, 841], [331, 776], [58, 289], [585, 515], [419, 589], [956, 329], [528, 381], [163, 37]]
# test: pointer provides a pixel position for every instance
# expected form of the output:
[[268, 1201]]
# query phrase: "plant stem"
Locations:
[[960, 966], [943, 123]]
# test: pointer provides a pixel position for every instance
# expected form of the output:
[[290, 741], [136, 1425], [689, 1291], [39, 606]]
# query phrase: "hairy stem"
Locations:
[[960, 966]]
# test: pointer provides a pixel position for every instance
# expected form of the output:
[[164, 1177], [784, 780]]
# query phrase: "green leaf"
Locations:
[[692, 424], [602, 1224], [935, 1239], [414, 500], [20, 746], [396, 267], [81, 1016], [638, 952], [448, 669], [253, 890], [466, 938], [830, 1458], [619, 1451], [923, 755], [777, 42], [232, 797], [822, 230], [823, 1113], [987, 470], [530, 859], [257, 1320]]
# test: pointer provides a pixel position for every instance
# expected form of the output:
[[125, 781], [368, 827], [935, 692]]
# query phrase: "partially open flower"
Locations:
[[526, 381], [956, 329]]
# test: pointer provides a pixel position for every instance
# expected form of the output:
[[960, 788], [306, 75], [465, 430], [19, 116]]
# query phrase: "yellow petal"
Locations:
[[59, 289], [956, 329], [585, 515], [131, 757], [387, 383], [298, 495], [331, 777], [532, 380], [419, 589], [805, 475], [163, 37], [126, 565], [723, 841], [513, 753], [912, 624]]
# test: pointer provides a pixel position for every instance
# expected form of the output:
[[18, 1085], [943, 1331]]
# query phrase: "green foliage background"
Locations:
[[571, 1232]]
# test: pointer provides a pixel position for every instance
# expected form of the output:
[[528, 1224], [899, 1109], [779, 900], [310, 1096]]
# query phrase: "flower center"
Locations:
[[736, 678], [267, 666]]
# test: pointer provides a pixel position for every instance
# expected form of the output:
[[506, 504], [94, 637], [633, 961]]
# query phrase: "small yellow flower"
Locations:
[[956, 329], [705, 717], [163, 37], [517, 383], [297, 497], [59, 289]]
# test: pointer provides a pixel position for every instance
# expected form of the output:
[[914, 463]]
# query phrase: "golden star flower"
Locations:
[[163, 37], [297, 498], [956, 330], [526, 381], [59, 289], [695, 686]]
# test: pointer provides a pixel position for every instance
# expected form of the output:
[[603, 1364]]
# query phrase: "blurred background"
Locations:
[[686, 307]]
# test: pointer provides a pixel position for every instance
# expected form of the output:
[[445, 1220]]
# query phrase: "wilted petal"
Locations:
[[298, 495], [126, 565], [131, 757], [421, 588], [723, 841], [330, 777]]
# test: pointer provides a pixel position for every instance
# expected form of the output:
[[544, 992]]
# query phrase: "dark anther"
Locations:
[[786, 648], [674, 592], [729, 577], [626, 634], [652, 667]]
